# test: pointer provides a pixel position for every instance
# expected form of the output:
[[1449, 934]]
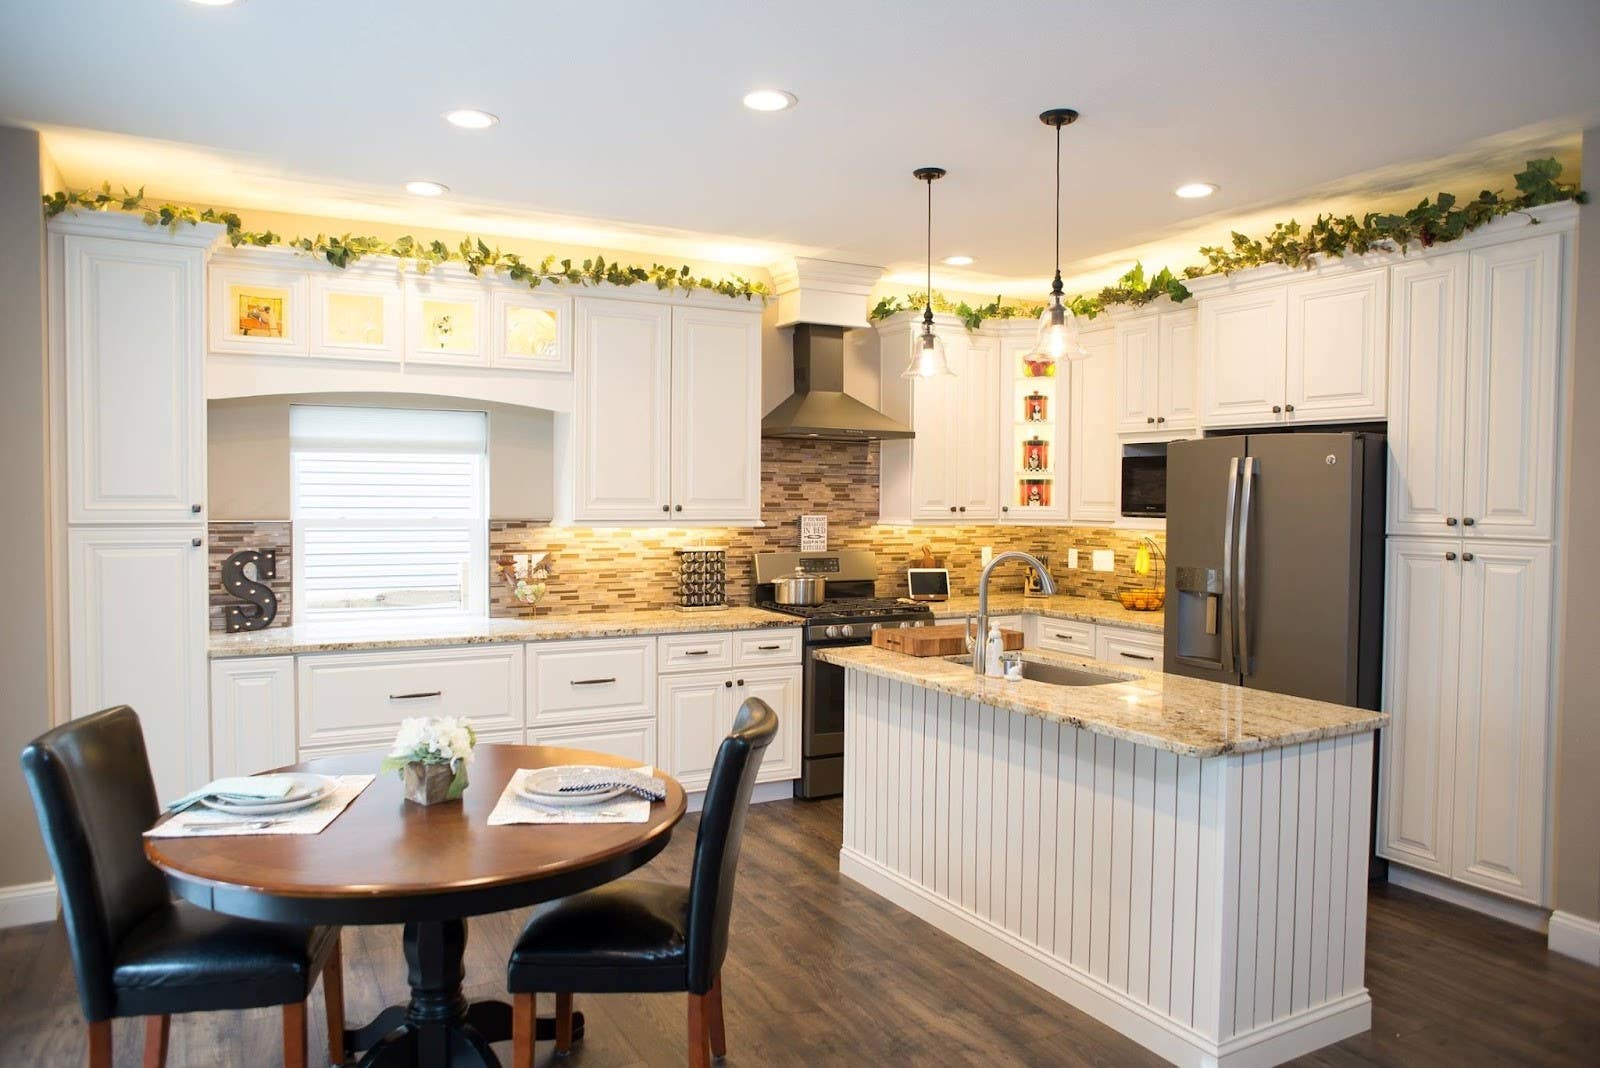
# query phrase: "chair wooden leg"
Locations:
[[524, 1026], [719, 1037], [156, 1030], [294, 1035], [333, 1002], [563, 1024], [699, 1036], [99, 1044]]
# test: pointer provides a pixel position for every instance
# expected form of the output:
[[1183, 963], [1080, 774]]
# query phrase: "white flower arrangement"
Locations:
[[527, 575], [435, 740]]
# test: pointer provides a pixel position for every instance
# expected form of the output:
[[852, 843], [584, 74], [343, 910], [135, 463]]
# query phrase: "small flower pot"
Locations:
[[429, 784]]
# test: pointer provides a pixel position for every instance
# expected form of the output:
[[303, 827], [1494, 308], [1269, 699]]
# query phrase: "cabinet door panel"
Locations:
[[137, 628], [1137, 374], [1095, 481], [633, 739], [932, 456], [1427, 393], [1031, 408], [252, 715], [1179, 353], [977, 430], [1513, 365], [779, 688], [623, 462], [1421, 651], [1243, 349], [716, 415], [1338, 341], [694, 713], [135, 418], [1501, 774]]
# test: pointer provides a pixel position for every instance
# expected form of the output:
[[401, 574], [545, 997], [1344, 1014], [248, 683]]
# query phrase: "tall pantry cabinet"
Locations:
[[1477, 342], [128, 435]]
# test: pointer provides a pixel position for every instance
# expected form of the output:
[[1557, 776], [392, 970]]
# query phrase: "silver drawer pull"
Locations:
[[769, 648], [592, 682], [697, 652], [415, 696], [1137, 656]]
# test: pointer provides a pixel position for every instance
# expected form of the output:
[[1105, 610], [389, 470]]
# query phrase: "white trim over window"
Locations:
[[390, 512]]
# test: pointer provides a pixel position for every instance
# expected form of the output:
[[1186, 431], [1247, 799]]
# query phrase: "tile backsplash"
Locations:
[[597, 569]]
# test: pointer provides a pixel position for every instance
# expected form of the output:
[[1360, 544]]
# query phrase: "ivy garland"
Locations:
[[1431, 222], [422, 256]]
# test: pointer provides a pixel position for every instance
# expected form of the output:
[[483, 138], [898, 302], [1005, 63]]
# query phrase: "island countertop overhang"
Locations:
[[1190, 717]]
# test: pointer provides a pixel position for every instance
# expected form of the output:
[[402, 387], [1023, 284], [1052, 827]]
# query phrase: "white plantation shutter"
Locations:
[[390, 512]]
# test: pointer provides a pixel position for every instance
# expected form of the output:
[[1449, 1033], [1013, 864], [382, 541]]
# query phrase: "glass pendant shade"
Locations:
[[929, 359], [1057, 338]]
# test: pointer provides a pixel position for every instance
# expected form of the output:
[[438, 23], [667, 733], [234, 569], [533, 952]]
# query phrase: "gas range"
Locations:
[[849, 610]]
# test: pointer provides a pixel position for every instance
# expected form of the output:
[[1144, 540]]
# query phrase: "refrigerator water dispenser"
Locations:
[[1198, 614]]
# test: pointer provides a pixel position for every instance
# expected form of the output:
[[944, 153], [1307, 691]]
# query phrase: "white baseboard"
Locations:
[[763, 792], [1182, 1045], [1470, 897], [27, 903], [1575, 936]]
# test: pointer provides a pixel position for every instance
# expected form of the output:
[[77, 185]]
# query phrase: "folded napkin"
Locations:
[[639, 783], [238, 788]]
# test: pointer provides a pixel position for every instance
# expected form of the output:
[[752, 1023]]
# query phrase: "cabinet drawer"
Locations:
[[1066, 636], [1133, 648], [767, 647], [696, 652], [312, 752], [356, 699], [631, 739], [585, 681]]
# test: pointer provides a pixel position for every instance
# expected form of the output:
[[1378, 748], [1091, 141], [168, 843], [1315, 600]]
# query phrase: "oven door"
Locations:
[[822, 717]]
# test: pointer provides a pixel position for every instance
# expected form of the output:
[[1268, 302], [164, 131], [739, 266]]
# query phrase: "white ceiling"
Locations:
[[624, 118]]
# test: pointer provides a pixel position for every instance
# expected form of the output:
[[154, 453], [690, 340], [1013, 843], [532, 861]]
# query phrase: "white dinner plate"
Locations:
[[307, 791], [543, 785]]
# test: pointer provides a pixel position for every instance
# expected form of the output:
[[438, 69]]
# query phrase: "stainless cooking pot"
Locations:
[[799, 588]]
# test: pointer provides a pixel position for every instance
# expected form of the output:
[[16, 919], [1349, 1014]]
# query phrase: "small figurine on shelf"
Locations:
[[1036, 405], [1035, 455], [1035, 495], [527, 575]]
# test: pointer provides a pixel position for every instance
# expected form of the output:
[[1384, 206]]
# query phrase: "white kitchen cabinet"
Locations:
[[447, 322], [622, 461], [780, 688], [1128, 647], [1242, 356], [931, 452], [258, 309], [696, 708], [1176, 369], [589, 680], [976, 414], [1465, 776], [1427, 393], [252, 715], [631, 739], [530, 331], [136, 621], [1337, 368], [130, 340], [1065, 636], [1033, 419], [716, 415], [1094, 452], [1513, 369], [1156, 372], [695, 712], [358, 314]]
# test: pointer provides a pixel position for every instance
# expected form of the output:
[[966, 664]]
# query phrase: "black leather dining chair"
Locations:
[[137, 952], [635, 936]]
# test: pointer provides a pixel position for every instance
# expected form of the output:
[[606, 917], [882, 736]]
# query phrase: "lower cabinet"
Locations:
[[252, 715], [697, 710], [631, 739], [1133, 648]]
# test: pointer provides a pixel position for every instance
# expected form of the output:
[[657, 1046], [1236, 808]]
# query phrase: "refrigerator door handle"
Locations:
[[1241, 601], [1229, 516]]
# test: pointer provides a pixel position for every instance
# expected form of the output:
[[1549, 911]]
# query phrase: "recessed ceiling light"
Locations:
[[216, 3], [471, 119], [422, 187], [769, 100], [958, 261], [1195, 190]]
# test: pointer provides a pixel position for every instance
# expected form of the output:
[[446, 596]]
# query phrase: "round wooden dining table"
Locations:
[[387, 860]]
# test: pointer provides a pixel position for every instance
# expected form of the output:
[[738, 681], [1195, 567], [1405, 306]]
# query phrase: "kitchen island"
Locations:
[[1182, 860]]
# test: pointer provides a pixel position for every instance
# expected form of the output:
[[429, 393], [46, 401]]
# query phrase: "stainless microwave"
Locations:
[[1144, 480]]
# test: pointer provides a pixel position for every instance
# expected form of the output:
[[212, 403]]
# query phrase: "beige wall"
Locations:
[[1577, 735], [24, 530], [248, 453]]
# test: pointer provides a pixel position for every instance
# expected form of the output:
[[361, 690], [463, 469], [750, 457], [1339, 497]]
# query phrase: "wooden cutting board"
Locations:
[[944, 639]]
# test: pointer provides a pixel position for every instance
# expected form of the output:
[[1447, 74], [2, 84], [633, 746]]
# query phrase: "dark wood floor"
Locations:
[[823, 973]]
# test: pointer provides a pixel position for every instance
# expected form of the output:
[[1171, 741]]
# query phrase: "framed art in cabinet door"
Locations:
[[259, 311], [530, 332], [447, 323], [358, 318]]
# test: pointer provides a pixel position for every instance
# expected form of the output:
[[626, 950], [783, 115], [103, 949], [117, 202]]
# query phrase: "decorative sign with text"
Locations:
[[813, 533]]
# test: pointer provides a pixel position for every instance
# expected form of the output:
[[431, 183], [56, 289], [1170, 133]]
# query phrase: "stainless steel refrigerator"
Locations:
[[1275, 562]]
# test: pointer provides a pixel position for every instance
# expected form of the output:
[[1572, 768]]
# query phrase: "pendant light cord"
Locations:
[[1056, 287], [928, 311]]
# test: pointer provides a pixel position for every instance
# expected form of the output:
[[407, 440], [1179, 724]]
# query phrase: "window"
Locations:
[[390, 511]]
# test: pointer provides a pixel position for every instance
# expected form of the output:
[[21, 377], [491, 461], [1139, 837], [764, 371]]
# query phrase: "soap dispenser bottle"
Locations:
[[992, 651]]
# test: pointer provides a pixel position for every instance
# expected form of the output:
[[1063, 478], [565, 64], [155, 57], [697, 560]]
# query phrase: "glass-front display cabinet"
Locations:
[[1033, 463]]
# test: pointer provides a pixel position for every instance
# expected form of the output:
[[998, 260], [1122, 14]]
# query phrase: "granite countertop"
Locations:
[[348, 637], [1190, 717], [1060, 606]]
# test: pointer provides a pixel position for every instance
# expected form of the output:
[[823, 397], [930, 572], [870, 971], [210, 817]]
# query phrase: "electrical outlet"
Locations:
[[986, 554], [1105, 560], [1072, 559]]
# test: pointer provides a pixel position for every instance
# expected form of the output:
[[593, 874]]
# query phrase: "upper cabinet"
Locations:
[[131, 346], [1094, 482], [1155, 372], [1476, 344], [447, 322], [1312, 350], [530, 332], [358, 315], [668, 421], [1034, 427]]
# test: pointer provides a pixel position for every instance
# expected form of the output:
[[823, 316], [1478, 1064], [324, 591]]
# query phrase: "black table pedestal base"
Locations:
[[440, 1028]]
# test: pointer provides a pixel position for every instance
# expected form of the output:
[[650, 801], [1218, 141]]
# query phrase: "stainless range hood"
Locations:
[[819, 407]]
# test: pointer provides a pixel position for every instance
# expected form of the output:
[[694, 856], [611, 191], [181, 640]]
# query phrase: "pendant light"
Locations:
[[1058, 327], [928, 361]]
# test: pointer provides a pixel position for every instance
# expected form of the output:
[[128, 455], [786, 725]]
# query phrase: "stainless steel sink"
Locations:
[[1061, 675]]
